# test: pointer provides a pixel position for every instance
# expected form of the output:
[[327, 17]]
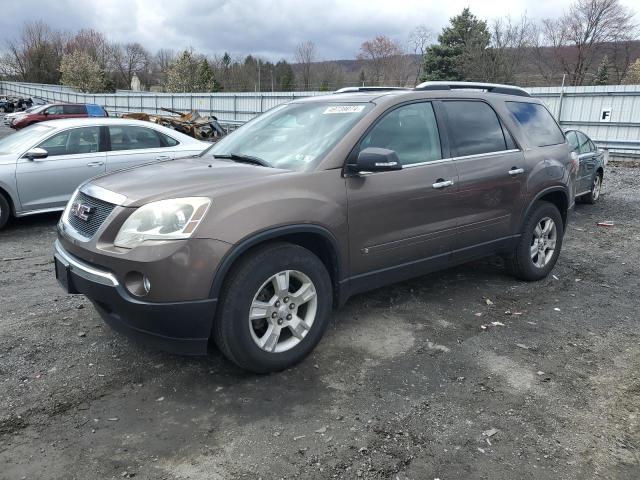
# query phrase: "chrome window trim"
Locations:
[[84, 270], [464, 157], [103, 194]]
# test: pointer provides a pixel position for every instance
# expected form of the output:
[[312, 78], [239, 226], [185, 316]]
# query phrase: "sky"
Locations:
[[268, 28]]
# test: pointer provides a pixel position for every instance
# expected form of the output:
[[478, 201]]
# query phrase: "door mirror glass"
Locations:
[[375, 159], [36, 153]]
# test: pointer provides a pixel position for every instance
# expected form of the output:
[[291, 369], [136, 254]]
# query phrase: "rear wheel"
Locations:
[[274, 309], [540, 243], [596, 186], [5, 211]]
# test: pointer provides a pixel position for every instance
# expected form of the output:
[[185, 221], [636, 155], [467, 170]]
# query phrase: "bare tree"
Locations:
[[94, 44], [419, 41], [511, 40], [379, 57], [621, 57], [36, 54], [161, 62], [579, 36], [305, 55], [129, 59]]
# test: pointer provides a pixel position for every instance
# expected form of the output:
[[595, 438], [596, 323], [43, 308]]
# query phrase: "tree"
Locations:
[[582, 32], [455, 55], [511, 42], [81, 71], [35, 55], [602, 75], [633, 74], [94, 44], [379, 57], [206, 81], [305, 55], [419, 40], [362, 78], [285, 78], [182, 75], [129, 59], [161, 63]]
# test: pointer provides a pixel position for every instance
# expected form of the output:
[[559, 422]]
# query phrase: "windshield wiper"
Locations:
[[239, 157]]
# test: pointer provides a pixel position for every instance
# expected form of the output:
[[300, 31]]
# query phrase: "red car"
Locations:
[[56, 111]]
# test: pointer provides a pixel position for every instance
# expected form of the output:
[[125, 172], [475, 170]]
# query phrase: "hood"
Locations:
[[187, 177]]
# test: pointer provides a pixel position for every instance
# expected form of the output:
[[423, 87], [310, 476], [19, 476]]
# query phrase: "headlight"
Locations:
[[164, 220]]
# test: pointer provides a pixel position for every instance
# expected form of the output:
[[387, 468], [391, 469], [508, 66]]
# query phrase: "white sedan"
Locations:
[[41, 166]]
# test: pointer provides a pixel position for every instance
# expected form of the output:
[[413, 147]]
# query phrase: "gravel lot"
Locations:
[[405, 385]]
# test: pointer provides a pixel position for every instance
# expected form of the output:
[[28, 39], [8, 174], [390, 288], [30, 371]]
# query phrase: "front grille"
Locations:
[[100, 210]]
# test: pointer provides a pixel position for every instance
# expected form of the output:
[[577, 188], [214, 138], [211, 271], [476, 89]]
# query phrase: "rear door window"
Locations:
[[133, 138], [74, 109], [537, 123], [474, 128], [411, 131]]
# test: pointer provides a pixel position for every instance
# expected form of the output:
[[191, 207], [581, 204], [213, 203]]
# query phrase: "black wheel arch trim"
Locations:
[[562, 189], [273, 234]]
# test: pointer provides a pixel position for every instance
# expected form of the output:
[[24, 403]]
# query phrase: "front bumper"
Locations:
[[176, 327]]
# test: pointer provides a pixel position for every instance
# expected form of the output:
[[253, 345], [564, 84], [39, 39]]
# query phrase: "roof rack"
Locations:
[[368, 89], [488, 87]]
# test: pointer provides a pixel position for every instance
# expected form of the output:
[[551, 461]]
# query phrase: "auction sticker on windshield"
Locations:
[[344, 109]]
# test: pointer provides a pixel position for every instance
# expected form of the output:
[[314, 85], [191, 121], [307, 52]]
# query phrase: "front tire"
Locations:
[[540, 243], [5, 211], [275, 307]]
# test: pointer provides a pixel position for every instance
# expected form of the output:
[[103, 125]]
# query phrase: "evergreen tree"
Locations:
[[285, 77], [602, 75], [453, 57], [206, 79]]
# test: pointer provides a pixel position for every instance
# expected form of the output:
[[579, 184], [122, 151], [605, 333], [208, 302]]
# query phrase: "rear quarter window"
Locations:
[[474, 128], [537, 123]]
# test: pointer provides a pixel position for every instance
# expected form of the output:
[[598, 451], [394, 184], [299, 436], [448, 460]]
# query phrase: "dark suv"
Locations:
[[57, 111], [252, 243]]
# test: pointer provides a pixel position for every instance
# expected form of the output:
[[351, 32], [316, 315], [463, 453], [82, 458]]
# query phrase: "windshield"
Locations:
[[292, 136], [23, 139]]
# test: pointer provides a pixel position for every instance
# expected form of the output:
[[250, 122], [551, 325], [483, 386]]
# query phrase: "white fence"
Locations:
[[608, 114], [227, 107]]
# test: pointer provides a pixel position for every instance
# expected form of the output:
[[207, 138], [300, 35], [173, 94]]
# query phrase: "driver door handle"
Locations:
[[516, 171], [95, 164], [163, 157], [441, 183]]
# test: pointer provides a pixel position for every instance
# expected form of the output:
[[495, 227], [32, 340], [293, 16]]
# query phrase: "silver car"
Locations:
[[9, 117], [42, 165]]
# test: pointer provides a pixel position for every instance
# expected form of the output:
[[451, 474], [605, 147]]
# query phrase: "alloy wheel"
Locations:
[[283, 311], [597, 185], [543, 243]]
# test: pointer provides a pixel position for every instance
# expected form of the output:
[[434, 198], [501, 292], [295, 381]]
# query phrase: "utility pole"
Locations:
[[259, 89]]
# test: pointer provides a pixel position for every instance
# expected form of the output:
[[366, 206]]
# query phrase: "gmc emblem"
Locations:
[[81, 211]]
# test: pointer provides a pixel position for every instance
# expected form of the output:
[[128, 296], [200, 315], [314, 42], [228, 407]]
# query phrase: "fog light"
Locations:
[[137, 283]]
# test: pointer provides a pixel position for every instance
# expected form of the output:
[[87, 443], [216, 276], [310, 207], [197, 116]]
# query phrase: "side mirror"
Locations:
[[376, 160], [36, 153]]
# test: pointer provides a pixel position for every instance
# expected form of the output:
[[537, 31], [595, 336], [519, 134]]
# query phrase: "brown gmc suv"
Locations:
[[252, 243]]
